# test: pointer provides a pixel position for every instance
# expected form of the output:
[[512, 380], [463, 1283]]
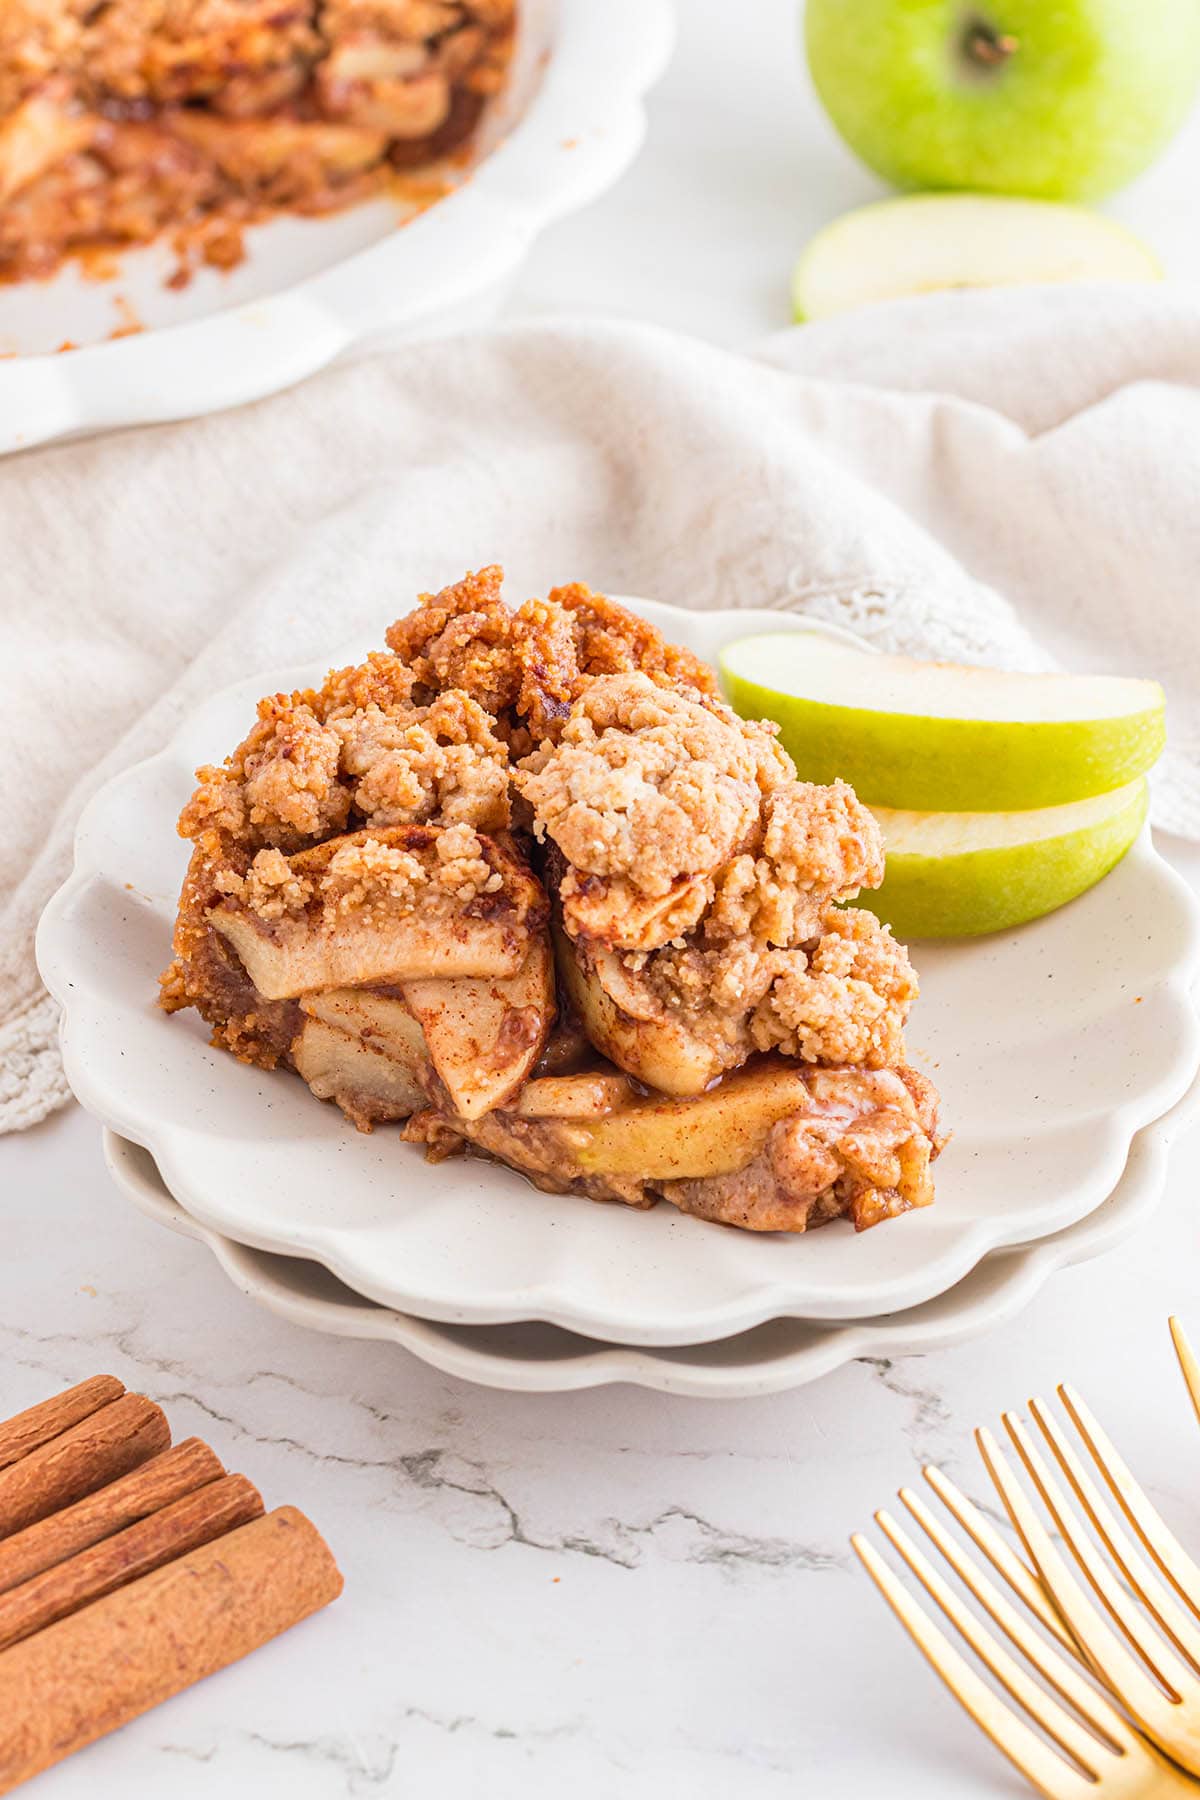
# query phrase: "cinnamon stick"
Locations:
[[145, 1490], [38, 1424], [108, 1443], [196, 1519], [70, 1684]]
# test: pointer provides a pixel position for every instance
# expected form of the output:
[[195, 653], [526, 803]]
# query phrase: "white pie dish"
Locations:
[[770, 1359], [1052, 1046], [311, 291]]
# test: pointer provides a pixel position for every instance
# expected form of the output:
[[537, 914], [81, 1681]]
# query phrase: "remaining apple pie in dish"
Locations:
[[525, 882], [122, 119]]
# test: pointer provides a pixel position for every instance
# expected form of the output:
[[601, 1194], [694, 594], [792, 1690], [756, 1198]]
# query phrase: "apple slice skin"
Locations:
[[953, 765], [982, 891]]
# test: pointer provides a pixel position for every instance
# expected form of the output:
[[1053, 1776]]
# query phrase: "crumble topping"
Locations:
[[841, 999], [279, 787], [269, 888], [819, 844], [290, 788], [645, 784], [365, 875], [373, 875], [462, 638], [527, 667], [844, 1002], [652, 795], [442, 760], [357, 747]]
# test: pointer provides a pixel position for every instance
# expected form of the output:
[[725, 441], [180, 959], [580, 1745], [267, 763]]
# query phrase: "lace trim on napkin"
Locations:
[[957, 621], [32, 1083]]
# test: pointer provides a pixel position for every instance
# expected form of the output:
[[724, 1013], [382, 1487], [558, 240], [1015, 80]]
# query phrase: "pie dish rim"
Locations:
[[580, 131]]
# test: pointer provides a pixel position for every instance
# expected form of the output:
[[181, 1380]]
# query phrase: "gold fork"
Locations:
[[1140, 1640], [1098, 1755], [1116, 1760]]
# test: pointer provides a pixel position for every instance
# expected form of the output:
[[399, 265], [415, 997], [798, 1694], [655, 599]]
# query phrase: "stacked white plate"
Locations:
[[1062, 1052]]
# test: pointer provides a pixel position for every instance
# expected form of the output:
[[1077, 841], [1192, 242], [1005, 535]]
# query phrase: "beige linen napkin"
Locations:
[[900, 470]]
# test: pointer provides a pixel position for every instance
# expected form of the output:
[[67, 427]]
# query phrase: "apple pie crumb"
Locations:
[[843, 998], [673, 814]]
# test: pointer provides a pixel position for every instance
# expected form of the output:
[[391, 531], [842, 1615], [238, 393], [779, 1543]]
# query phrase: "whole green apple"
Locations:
[[1062, 99]]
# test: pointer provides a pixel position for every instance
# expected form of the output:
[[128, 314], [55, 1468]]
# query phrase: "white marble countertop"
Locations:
[[614, 1593]]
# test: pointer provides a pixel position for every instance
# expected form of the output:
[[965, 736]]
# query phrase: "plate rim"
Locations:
[[581, 130], [755, 1301], [1132, 1203]]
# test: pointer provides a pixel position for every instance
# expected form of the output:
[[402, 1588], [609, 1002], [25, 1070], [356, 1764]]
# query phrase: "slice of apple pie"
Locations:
[[523, 880]]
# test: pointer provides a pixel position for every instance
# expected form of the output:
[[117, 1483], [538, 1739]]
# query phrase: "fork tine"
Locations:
[[1155, 1597], [1161, 1660], [1159, 1540], [1064, 1676], [1020, 1578], [1037, 1762], [1126, 1677], [1045, 1711], [1187, 1361]]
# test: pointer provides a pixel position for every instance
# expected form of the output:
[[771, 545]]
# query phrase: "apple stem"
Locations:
[[990, 48]]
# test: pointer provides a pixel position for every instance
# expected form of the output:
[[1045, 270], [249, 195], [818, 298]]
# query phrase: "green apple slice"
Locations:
[[963, 874], [924, 242], [944, 737]]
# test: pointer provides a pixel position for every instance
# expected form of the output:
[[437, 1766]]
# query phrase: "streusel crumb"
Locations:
[[645, 784], [269, 888], [527, 667], [673, 814], [462, 638], [842, 998], [819, 844], [440, 761], [356, 752], [847, 1003], [370, 877], [367, 875]]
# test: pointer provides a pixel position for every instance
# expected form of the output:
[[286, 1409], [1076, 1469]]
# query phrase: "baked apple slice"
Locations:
[[367, 1083], [409, 902], [480, 1037], [774, 1147], [484, 1036], [712, 1134], [643, 1137], [379, 1017], [584, 1095], [628, 1025]]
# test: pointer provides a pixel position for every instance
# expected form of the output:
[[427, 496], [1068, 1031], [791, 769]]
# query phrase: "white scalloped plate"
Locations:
[[311, 291], [770, 1359], [1052, 1046]]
